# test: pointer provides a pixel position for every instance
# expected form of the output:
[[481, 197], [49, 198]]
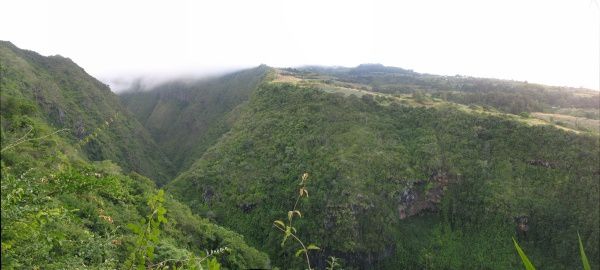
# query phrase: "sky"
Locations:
[[555, 42]]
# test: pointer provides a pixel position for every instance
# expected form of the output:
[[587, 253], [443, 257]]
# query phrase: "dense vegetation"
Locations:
[[363, 158], [382, 167], [187, 117], [67, 97], [62, 210]]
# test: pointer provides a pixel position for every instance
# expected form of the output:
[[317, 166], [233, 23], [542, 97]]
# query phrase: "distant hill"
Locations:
[[508, 96]]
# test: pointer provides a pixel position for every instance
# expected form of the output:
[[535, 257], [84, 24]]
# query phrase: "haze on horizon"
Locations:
[[549, 42]]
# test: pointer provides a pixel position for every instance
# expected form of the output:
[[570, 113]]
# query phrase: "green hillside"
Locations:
[[382, 167], [61, 209], [67, 97], [187, 117], [398, 185]]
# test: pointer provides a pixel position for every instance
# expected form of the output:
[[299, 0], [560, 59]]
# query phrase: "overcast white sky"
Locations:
[[554, 42]]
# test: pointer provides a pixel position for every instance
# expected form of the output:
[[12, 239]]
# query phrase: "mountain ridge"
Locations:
[[65, 209], [73, 99], [405, 170], [368, 155]]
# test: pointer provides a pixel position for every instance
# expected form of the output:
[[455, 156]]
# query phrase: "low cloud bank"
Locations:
[[144, 81]]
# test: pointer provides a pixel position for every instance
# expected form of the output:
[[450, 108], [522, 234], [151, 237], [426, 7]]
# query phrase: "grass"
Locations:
[[529, 266], [572, 122], [329, 85]]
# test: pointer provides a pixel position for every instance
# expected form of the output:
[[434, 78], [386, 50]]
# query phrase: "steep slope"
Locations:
[[400, 176], [187, 117], [396, 186], [61, 211], [70, 98]]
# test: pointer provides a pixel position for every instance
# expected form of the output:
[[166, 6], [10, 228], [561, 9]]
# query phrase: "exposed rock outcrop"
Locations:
[[542, 163], [423, 195]]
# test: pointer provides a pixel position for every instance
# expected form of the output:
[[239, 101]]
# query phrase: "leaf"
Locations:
[[280, 223], [161, 195], [213, 264], [285, 237], [528, 265], [6, 245], [150, 252], [288, 232], [162, 219], [297, 213], [299, 252], [584, 259], [313, 246], [161, 210], [134, 228]]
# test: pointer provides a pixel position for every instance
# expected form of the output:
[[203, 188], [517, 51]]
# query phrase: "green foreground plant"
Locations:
[[147, 232], [526, 262], [332, 263], [584, 259], [290, 231], [529, 266]]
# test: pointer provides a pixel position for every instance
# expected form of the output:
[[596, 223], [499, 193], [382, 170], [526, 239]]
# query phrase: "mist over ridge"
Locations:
[[141, 81], [186, 134], [406, 170]]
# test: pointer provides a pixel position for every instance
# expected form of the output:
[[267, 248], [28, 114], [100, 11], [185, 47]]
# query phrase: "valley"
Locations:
[[404, 170]]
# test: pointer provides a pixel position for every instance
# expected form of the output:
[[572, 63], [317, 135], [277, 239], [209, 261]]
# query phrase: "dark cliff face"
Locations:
[[423, 196]]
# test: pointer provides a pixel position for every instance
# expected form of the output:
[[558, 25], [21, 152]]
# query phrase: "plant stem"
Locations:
[[22, 139], [303, 247]]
